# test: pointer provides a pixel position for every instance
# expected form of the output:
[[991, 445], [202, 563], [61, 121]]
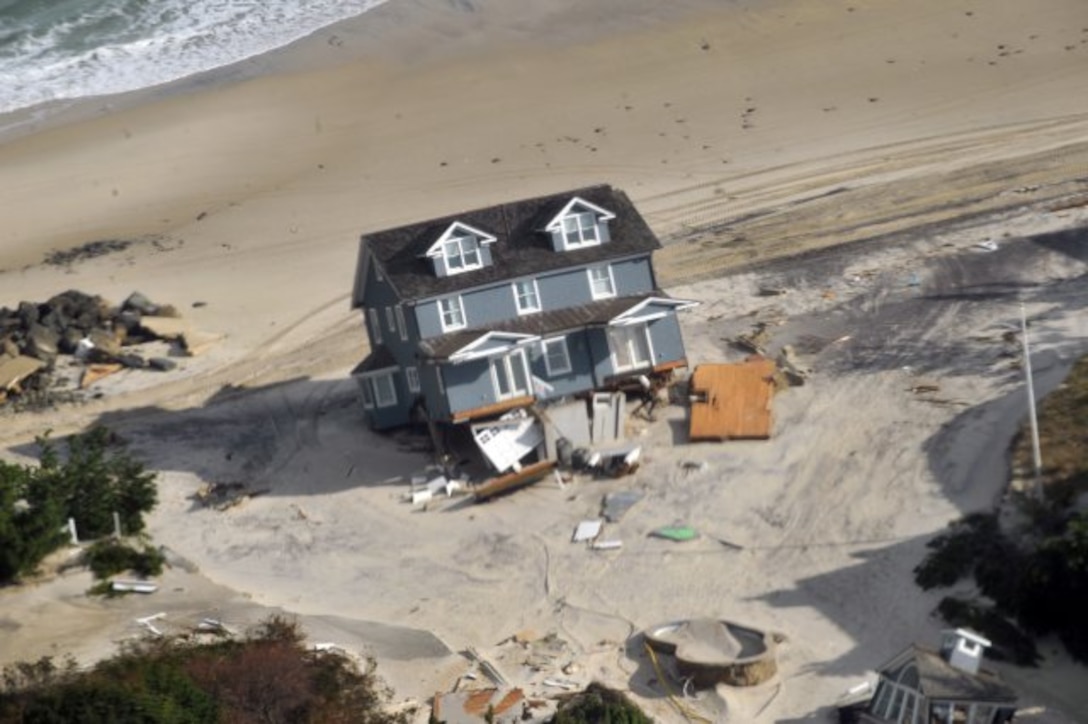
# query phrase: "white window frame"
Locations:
[[411, 376], [368, 394], [460, 313], [535, 295], [401, 324], [566, 366], [507, 361], [459, 248], [380, 401], [577, 233], [629, 329], [390, 320], [593, 282], [375, 324]]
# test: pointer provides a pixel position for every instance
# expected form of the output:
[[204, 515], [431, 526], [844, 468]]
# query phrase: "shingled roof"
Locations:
[[522, 248], [553, 322]]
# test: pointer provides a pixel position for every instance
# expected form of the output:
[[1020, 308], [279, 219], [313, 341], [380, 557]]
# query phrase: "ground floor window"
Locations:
[[379, 390], [411, 374], [510, 375], [630, 346], [556, 356]]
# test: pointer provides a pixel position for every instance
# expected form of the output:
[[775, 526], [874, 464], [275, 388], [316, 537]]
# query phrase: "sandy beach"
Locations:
[[853, 152]]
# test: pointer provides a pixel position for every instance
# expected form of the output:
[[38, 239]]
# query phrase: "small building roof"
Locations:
[[523, 247], [938, 679]]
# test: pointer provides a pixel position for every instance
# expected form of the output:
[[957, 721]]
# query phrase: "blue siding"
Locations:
[[468, 385], [632, 276], [665, 339], [580, 377], [570, 287]]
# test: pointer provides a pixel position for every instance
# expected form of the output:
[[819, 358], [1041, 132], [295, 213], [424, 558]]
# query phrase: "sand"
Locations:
[[746, 133]]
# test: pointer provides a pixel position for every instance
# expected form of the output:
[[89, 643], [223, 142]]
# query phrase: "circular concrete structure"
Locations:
[[710, 651]]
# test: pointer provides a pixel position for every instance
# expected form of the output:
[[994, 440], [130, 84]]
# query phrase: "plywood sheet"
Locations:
[[732, 401]]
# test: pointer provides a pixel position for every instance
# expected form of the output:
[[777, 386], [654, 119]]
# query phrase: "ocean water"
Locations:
[[64, 49]]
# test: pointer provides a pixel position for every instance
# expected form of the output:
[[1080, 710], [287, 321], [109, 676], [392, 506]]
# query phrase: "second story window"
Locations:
[[580, 230], [462, 253], [452, 313], [601, 285], [527, 296]]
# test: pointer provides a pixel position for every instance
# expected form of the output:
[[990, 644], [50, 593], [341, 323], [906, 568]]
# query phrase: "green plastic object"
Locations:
[[676, 532]]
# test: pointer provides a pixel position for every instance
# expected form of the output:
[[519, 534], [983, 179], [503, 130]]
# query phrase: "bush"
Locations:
[[267, 677], [96, 478], [599, 705], [109, 557]]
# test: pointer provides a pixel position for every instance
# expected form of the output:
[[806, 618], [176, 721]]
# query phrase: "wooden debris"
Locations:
[[94, 372]]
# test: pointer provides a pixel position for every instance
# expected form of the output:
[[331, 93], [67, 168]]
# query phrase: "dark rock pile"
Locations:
[[75, 323]]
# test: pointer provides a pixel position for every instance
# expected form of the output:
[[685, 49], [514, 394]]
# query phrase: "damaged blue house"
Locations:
[[480, 312]]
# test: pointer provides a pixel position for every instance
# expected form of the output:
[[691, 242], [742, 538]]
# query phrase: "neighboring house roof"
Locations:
[[523, 247], [940, 680], [540, 325], [380, 358]]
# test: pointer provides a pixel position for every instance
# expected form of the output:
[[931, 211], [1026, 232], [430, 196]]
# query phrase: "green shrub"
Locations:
[[599, 705], [109, 557]]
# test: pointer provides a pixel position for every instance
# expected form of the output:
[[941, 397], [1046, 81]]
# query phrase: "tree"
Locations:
[[94, 479]]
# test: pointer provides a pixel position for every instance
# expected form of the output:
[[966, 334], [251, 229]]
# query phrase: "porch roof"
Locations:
[[380, 358], [545, 324]]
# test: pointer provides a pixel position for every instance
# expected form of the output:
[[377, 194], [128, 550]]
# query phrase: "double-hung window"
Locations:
[[385, 392], [452, 313], [400, 323], [601, 284], [462, 254], [411, 376], [580, 230], [556, 356], [527, 296]]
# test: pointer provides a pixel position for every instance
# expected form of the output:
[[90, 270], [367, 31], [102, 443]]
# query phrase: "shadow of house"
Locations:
[[255, 437]]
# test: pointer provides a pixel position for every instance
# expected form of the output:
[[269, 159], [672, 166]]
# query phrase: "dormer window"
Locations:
[[581, 230], [459, 249], [579, 225], [462, 254]]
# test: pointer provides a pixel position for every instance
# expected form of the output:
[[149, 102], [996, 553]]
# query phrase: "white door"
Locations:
[[510, 375], [630, 346]]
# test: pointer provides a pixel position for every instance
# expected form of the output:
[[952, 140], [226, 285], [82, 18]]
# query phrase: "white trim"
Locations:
[[370, 378], [473, 351], [505, 360], [375, 324], [401, 323], [611, 282], [556, 224], [535, 293], [552, 372], [460, 312], [368, 393], [392, 400], [390, 320], [627, 330], [457, 229], [631, 316], [411, 376]]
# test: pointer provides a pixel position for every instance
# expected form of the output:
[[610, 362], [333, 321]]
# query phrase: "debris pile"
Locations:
[[100, 336]]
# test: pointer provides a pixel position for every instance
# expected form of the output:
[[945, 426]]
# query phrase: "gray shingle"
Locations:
[[522, 247]]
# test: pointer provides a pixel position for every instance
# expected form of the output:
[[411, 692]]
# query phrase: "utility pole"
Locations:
[[1036, 452]]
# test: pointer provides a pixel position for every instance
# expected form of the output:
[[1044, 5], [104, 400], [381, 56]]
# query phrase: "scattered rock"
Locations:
[[140, 303], [162, 364]]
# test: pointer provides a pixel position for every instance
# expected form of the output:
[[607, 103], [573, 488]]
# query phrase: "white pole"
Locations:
[[72, 531], [1036, 452], [116, 524]]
